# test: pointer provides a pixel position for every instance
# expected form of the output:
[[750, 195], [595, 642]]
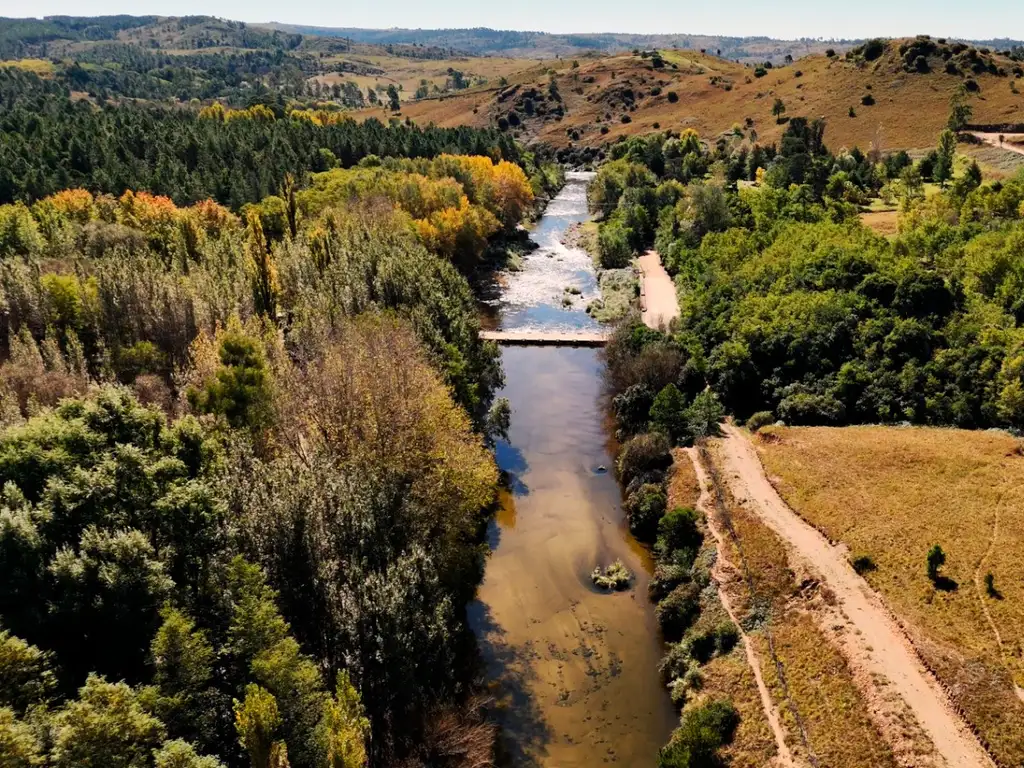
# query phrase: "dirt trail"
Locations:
[[658, 302], [784, 758], [992, 139], [877, 640], [980, 592]]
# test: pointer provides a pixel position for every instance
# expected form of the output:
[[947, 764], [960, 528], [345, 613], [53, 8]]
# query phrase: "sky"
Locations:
[[977, 19]]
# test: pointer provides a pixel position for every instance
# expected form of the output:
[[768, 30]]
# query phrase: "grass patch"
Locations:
[[896, 492], [618, 295], [730, 676], [821, 688], [996, 163], [683, 488], [40, 67], [885, 223]]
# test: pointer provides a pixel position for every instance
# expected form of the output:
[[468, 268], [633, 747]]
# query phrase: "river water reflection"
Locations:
[[574, 670]]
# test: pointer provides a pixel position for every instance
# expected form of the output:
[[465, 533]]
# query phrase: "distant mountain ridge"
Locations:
[[484, 41]]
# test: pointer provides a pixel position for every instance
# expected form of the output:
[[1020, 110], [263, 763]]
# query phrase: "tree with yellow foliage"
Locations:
[[261, 267]]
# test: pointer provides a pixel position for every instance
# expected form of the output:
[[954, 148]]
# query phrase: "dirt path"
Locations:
[[784, 758], [981, 592], [992, 139], [876, 640], [658, 302]]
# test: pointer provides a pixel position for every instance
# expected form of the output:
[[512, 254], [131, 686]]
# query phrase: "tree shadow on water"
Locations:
[[524, 734], [513, 465]]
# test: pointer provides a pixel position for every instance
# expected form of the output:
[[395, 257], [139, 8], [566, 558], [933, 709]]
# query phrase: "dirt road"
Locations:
[[875, 638], [993, 140], [658, 302], [784, 758]]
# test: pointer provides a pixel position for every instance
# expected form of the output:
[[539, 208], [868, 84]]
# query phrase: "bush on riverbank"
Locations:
[[643, 454], [702, 732], [644, 509]]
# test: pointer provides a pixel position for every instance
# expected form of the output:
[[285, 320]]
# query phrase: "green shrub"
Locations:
[[667, 576], [668, 415], [701, 732], [873, 49], [644, 509], [760, 419], [863, 564], [613, 244], [704, 415], [679, 692], [678, 531], [705, 643], [727, 635], [19, 235], [936, 559], [632, 408], [676, 663], [677, 612], [990, 586], [642, 454]]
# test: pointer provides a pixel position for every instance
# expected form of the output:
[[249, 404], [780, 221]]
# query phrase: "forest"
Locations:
[[246, 427], [49, 143], [793, 309]]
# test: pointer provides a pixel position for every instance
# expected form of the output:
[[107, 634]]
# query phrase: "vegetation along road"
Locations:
[[875, 639]]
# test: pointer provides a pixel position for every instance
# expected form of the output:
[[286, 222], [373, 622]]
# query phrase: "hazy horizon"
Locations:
[[791, 19]]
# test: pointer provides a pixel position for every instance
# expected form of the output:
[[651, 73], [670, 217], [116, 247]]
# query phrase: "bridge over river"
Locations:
[[529, 338]]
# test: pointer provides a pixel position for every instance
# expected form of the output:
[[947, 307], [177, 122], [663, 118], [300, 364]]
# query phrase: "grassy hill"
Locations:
[[890, 494], [893, 94], [881, 99]]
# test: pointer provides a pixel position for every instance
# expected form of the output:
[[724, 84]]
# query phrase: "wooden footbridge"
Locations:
[[529, 338]]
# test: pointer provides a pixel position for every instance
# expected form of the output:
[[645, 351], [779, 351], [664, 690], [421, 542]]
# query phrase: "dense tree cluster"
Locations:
[[243, 469], [791, 306], [49, 143]]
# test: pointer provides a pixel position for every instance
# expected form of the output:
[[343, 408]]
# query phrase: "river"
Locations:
[[574, 669]]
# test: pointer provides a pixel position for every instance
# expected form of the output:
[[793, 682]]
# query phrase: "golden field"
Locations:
[[890, 494]]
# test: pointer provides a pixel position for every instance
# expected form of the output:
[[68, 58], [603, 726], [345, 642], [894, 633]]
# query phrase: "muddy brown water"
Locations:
[[573, 669]]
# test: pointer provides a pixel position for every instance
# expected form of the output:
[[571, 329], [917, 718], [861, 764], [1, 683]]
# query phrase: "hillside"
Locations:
[[602, 98], [889, 494]]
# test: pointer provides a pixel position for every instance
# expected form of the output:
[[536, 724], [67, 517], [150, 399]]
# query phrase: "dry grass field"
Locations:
[[713, 95], [730, 677], [820, 705], [683, 487], [885, 223], [820, 687], [889, 494], [409, 72]]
